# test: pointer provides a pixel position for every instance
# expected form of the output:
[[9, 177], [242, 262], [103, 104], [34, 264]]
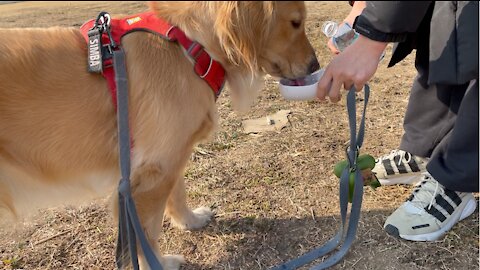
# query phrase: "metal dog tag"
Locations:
[[95, 64]]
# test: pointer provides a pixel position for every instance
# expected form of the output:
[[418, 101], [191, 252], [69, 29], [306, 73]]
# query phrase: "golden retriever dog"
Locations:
[[58, 133]]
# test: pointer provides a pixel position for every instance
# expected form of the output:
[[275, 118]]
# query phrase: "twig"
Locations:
[[51, 259], [51, 237], [446, 249], [356, 262], [385, 249], [228, 213]]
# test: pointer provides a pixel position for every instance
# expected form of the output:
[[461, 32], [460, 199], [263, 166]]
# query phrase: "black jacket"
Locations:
[[447, 29]]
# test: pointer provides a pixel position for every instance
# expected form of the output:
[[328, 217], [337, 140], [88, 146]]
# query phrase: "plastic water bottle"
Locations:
[[342, 35]]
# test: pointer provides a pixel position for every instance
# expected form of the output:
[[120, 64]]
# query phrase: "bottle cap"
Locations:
[[329, 28]]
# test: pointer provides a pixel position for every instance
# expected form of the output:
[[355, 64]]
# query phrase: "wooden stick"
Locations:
[[51, 237]]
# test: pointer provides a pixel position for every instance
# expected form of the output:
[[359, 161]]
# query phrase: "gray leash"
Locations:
[[352, 154], [129, 228]]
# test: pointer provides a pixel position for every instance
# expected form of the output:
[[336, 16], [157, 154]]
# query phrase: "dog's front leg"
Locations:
[[150, 190], [182, 217]]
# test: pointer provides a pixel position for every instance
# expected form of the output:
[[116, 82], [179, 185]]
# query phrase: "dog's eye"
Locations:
[[296, 24]]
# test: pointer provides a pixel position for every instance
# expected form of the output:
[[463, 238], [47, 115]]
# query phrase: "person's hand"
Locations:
[[332, 47], [354, 66]]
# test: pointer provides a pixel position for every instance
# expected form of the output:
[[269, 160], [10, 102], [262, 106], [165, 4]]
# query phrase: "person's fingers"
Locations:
[[324, 85], [332, 47], [359, 87], [334, 93], [347, 85]]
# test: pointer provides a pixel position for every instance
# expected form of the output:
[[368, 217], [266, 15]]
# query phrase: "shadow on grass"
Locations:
[[265, 243]]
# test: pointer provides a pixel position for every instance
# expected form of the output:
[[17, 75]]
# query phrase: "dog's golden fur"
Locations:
[[58, 137]]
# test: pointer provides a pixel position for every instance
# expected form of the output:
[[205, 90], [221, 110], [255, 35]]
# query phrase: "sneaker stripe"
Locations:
[[453, 196], [421, 226], [434, 212], [413, 165], [444, 204], [401, 168], [388, 167]]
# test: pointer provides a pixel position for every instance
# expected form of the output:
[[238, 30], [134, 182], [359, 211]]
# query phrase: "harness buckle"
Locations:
[[208, 69], [195, 51], [168, 33]]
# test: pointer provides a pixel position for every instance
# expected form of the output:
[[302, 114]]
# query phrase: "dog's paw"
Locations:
[[203, 216], [197, 219], [172, 262]]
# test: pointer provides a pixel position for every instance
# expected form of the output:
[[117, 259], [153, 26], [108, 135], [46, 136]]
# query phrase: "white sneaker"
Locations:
[[400, 167], [429, 212]]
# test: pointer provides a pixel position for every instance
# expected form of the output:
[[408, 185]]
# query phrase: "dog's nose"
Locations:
[[314, 66]]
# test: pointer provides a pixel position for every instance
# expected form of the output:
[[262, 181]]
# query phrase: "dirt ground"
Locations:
[[274, 195]]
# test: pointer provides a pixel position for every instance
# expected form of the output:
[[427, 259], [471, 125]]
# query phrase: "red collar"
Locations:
[[204, 66]]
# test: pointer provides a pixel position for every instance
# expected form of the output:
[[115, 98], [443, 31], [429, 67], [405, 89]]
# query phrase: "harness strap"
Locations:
[[201, 60], [106, 56], [352, 153], [205, 66]]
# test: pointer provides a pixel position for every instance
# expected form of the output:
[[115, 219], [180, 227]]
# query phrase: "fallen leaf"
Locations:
[[274, 122]]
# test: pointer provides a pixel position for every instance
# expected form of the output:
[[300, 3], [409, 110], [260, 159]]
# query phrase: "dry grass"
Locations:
[[275, 195]]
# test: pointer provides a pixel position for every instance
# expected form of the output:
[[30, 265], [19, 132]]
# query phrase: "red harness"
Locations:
[[204, 66]]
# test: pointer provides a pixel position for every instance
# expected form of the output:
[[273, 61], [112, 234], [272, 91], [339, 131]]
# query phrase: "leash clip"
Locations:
[[351, 162], [355, 209], [103, 21]]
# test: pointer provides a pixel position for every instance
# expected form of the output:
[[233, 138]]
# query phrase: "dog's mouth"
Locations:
[[297, 79], [303, 81], [294, 73], [276, 72]]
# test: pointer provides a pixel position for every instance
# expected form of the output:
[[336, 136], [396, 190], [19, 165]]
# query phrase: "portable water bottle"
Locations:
[[342, 35]]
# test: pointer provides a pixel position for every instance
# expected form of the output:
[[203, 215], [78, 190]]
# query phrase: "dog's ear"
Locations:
[[242, 28]]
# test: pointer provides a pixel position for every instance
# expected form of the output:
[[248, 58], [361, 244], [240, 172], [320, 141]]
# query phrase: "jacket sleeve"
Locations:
[[390, 21]]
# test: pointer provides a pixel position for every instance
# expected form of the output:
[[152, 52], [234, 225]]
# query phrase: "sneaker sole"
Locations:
[[469, 208], [405, 180]]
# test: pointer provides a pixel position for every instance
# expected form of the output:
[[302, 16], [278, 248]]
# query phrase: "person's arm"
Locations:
[[357, 9], [390, 21]]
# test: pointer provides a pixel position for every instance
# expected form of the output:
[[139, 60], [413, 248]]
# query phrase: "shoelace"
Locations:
[[425, 191], [400, 153]]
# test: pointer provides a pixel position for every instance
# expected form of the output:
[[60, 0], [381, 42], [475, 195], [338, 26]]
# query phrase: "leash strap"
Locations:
[[129, 228], [352, 154]]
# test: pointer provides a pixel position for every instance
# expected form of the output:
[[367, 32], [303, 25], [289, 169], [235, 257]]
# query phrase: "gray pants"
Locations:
[[441, 122]]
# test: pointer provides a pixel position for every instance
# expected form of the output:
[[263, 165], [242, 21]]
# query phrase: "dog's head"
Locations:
[[248, 38]]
